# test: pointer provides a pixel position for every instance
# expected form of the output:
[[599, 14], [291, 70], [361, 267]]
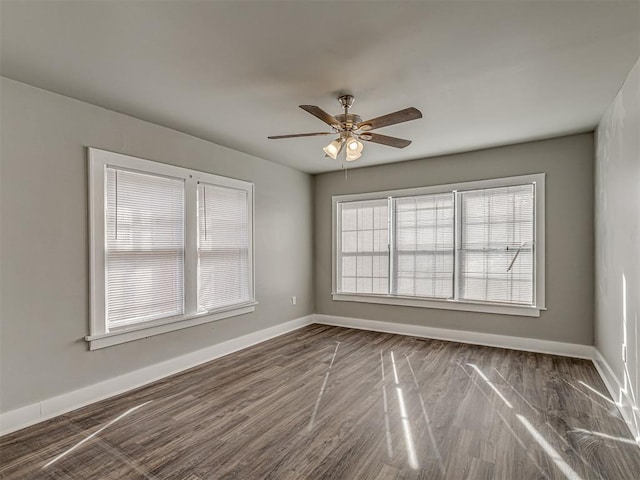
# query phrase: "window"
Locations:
[[423, 246], [223, 246], [475, 246], [170, 248], [144, 247], [496, 245], [364, 252]]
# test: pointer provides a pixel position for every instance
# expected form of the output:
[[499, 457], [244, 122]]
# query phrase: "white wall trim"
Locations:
[[50, 407], [539, 302], [630, 411], [463, 336], [444, 304], [164, 325], [101, 335]]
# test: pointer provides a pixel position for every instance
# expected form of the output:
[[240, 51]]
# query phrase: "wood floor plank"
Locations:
[[333, 403]]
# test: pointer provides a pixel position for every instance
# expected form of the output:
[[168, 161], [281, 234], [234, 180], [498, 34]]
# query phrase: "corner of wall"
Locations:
[[617, 240]]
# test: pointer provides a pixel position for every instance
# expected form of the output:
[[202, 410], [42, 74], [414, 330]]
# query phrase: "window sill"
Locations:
[[135, 332], [501, 309]]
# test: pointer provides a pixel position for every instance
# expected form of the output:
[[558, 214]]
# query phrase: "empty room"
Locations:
[[287, 240]]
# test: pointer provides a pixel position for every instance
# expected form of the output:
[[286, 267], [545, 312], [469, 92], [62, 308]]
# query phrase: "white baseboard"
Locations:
[[628, 409], [624, 401], [463, 336], [48, 408]]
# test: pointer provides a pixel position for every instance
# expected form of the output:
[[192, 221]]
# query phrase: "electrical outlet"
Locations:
[[294, 300]]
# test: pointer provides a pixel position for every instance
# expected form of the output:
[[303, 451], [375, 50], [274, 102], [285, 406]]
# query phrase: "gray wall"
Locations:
[[568, 163], [44, 242], [617, 212]]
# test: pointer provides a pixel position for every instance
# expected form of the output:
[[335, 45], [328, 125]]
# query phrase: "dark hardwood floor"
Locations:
[[334, 403]]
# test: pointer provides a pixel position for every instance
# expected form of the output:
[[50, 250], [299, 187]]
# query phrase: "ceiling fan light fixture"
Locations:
[[334, 148], [351, 129], [354, 148], [351, 156], [353, 145]]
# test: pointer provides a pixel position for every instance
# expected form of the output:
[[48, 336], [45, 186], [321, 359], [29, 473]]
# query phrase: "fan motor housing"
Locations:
[[350, 120]]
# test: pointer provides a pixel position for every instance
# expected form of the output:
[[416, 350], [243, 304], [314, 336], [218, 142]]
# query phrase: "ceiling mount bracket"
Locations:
[[346, 101]]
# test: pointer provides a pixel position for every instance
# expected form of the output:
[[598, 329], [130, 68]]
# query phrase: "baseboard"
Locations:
[[624, 401], [462, 336], [629, 410], [48, 408]]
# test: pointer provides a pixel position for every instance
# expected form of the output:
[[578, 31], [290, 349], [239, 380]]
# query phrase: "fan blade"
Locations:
[[385, 140], [276, 137], [400, 116], [322, 115]]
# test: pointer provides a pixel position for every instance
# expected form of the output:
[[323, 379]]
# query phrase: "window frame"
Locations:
[[393, 242], [372, 253], [539, 301], [100, 336]]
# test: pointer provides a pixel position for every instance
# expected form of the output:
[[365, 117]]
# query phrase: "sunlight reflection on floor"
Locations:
[[408, 438], [81, 442]]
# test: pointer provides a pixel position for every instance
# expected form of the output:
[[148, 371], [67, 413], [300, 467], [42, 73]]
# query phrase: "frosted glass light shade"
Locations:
[[353, 145], [354, 149], [352, 156], [333, 149]]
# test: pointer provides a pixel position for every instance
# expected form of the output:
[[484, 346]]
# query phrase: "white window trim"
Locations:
[[539, 303], [99, 337]]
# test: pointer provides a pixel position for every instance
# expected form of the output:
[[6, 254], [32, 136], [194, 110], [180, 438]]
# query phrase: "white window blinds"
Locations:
[[475, 246], [363, 255], [423, 263], [223, 246], [496, 245], [144, 247]]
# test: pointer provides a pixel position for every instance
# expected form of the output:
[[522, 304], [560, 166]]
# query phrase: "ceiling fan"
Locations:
[[351, 129]]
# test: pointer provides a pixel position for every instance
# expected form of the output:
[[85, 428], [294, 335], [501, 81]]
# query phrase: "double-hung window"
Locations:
[[422, 237], [475, 246], [364, 255], [496, 245], [170, 248]]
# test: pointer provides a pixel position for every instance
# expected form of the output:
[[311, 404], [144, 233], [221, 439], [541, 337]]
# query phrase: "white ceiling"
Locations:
[[482, 73]]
